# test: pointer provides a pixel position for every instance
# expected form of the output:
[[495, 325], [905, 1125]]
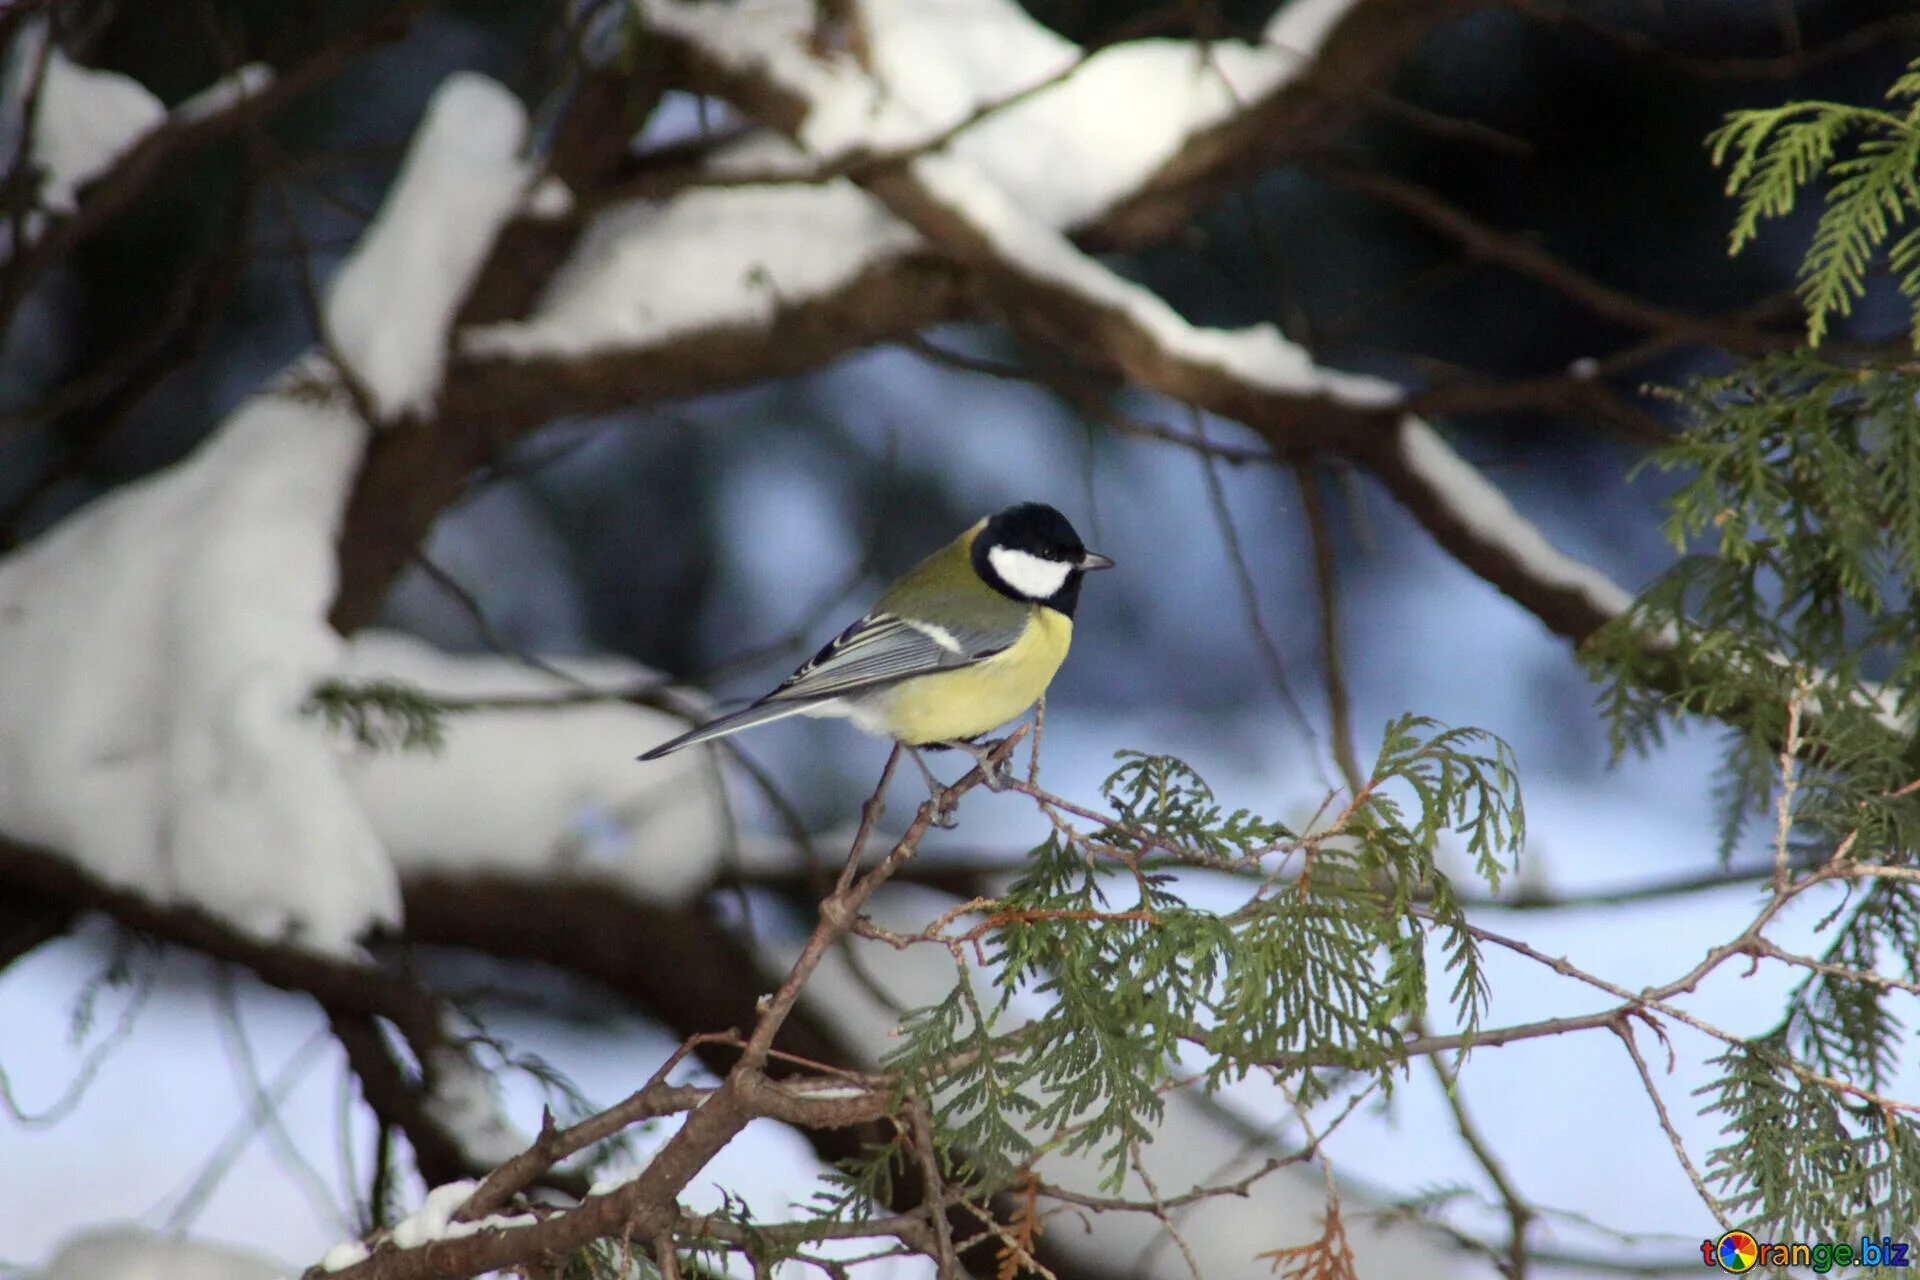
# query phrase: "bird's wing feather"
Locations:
[[884, 648], [878, 650]]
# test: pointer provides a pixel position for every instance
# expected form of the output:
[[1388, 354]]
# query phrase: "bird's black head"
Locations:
[[1031, 553]]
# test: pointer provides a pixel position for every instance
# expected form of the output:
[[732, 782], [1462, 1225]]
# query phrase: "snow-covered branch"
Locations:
[[813, 270], [1045, 285], [166, 639]]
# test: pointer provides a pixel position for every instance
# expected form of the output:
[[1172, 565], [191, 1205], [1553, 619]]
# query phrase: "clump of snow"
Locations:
[[462, 178], [1488, 513], [628, 283], [528, 790], [160, 644], [162, 641], [434, 1219], [84, 120], [1068, 133], [1081, 134], [1300, 27], [550, 199], [1104, 122], [774, 38], [225, 93], [611, 1182], [435, 1214], [1258, 355], [349, 1253], [830, 1090], [987, 50], [135, 1253]]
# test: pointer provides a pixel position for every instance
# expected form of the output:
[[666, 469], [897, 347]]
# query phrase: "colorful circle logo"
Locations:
[[1736, 1251]]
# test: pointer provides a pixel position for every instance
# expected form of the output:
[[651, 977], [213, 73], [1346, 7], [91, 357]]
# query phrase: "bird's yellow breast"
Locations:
[[971, 700]]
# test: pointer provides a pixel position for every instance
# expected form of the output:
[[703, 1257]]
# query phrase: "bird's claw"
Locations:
[[940, 805], [995, 773]]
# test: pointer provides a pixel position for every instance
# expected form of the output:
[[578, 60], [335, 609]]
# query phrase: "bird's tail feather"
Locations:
[[734, 722]]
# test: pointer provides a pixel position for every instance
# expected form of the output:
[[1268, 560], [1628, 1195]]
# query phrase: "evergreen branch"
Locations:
[[380, 715], [1321, 965], [1772, 154]]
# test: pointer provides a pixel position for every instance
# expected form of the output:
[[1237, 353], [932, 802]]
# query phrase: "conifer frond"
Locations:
[[1774, 153], [380, 715], [1799, 1160], [1329, 1257], [1800, 512], [1319, 971], [981, 1105]]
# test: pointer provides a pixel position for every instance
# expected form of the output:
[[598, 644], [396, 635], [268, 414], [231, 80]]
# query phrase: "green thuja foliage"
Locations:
[[1319, 966], [1840, 1026], [1804, 1159], [1799, 523], [1869, 158], [1794, 617], [380, 715]]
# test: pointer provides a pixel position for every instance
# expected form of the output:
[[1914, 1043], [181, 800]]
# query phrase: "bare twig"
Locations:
[[1520, 1214], [1333, 675], [1624, 1030]]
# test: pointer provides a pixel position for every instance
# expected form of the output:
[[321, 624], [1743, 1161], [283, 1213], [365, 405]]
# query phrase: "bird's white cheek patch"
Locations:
[[1028, 574]]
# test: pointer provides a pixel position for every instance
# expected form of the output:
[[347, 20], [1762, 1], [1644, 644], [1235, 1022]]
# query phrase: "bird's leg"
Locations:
[[997, 773], [942, 803]]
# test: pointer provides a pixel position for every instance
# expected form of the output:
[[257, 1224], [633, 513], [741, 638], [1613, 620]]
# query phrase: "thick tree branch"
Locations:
[[356, 996], [1353, 68], [1041, 287], [415, 471], [335, 983]]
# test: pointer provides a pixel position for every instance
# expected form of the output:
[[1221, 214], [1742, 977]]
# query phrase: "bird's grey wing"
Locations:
[[882, 649]]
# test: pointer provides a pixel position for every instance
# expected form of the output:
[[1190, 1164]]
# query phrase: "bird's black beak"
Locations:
[[1094, 560]]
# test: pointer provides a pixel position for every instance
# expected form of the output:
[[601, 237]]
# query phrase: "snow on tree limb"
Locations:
[[573, 798], [628, 285], [83, 120], [75, 124], [1047, 286], [166, 637], [1468, 497], [392, 304], [495, 397], [612, 296], [1068, 133]]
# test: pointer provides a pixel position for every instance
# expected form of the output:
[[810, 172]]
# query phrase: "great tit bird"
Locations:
[[961, 643]]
